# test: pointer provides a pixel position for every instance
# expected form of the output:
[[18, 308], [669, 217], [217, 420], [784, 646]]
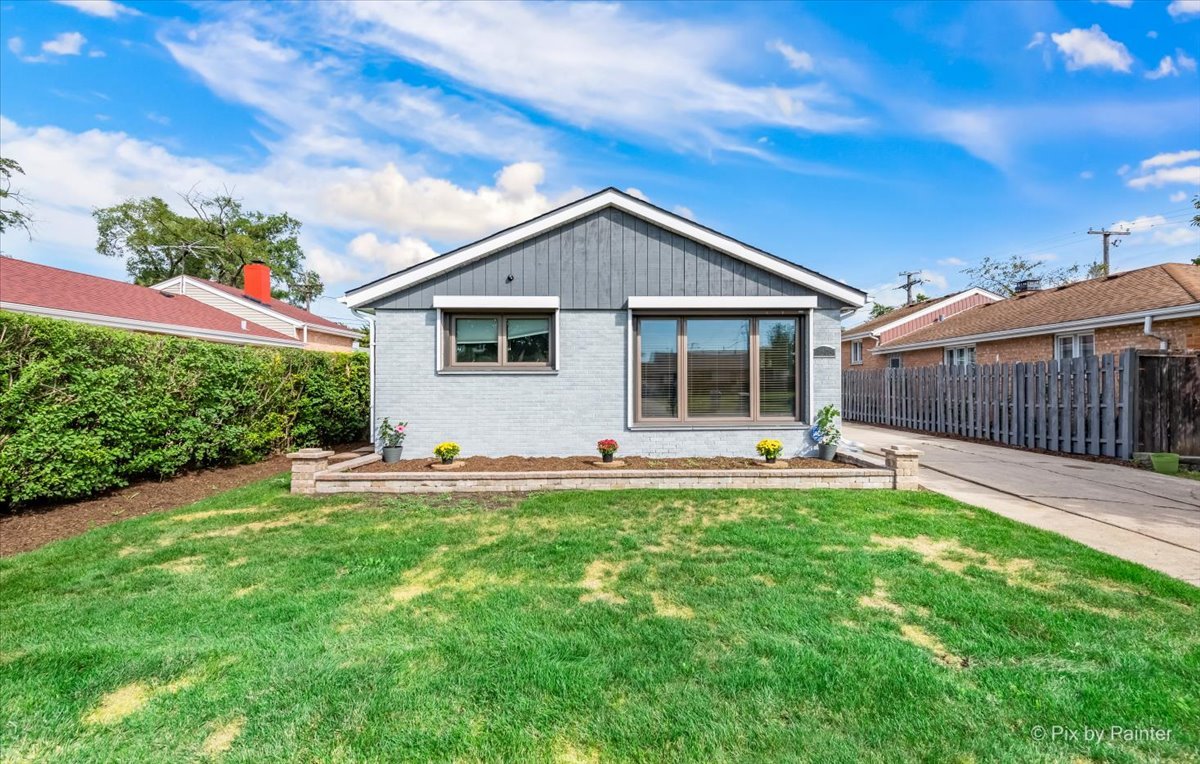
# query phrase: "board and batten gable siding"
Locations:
[[596, 263]]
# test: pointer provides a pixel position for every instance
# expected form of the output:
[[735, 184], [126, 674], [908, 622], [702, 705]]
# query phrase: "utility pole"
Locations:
[[1106, 234], [909, 282]]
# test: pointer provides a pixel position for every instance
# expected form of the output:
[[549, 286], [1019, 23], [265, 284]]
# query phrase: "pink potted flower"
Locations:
[[392, 437], [607, 448]]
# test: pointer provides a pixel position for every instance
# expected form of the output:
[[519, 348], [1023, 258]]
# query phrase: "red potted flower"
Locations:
[[607, 448]]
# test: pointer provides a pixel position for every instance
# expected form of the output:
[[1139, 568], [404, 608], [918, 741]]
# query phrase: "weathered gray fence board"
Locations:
[[1082, 406]]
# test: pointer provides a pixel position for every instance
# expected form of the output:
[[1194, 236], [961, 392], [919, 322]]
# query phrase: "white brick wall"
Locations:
[[561, 414]]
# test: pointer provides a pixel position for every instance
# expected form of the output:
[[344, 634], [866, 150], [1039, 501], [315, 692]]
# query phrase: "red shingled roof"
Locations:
[[25, 283], [279, 306]]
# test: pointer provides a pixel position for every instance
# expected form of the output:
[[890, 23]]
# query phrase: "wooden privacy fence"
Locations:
[[1079, 406], [1168, 403]]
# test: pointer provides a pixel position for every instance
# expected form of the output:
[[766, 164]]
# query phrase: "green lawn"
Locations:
[[651, 625]]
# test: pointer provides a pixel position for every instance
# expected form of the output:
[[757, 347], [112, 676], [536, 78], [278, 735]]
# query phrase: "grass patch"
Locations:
[[647, 625]]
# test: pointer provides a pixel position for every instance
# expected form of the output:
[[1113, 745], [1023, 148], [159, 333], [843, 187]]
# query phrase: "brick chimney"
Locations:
[[256, 280]]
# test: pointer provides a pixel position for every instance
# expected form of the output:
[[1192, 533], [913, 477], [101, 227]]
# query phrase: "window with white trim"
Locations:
[[717, 369], [856, 351], [499, 341], [1069, 346], [963, 355]]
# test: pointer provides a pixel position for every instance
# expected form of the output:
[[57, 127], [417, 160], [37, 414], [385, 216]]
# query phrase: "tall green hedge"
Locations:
[[84, 409]]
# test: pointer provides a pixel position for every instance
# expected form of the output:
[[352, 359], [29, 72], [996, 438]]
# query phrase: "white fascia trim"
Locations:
[[323, 329], [722, 303], [494, 302], [1179, 311], [191, 282], [585, 207], [133, 324], [940, 302]]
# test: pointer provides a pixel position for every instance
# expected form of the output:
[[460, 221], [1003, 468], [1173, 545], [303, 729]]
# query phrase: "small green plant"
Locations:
[[826, 431], [392, 435], [446, 451], [769, 448]]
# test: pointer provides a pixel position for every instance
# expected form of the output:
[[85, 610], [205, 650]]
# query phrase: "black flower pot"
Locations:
[[771, 459], [448, 460], [607, 458]]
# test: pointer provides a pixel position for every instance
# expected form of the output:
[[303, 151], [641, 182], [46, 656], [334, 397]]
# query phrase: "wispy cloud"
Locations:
[[103, 8], [1184, 8], [1167, 168], [800, 60], [65, 44]]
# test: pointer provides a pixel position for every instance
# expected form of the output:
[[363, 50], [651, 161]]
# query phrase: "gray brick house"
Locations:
[[606, 318]]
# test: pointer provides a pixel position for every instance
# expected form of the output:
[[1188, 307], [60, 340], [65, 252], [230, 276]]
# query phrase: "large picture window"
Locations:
[[499, 341], [717, 369]]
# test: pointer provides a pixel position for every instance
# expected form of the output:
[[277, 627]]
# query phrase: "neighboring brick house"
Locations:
[[43, 290], [606, 318], [859, 342], [1093, 317]]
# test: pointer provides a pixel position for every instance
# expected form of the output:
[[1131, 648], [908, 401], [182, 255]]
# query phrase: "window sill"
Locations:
[[764, 425], [497, 372]]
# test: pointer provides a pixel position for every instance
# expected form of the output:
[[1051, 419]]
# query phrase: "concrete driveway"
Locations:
[[1135, 514]]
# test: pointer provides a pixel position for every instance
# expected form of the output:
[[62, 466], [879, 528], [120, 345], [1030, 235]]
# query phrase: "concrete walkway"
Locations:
[[1135, 514]]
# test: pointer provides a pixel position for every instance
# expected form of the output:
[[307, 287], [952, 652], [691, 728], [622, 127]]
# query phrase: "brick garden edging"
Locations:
[[312, 474]]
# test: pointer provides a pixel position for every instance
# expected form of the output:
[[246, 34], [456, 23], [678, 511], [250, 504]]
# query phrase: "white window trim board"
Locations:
[[473, 304], [607, 198], [722, 303], [495, 302]]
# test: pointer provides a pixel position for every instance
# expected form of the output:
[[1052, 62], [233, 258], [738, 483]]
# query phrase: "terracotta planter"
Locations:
[[391, 454]]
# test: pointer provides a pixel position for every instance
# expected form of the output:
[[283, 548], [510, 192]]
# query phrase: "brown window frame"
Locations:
[[449, 345], [682, 419]]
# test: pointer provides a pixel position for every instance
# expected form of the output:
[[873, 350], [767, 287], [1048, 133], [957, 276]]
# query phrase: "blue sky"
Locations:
[[856, 139]]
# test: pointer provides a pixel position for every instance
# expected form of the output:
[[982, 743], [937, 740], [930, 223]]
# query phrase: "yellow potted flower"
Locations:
[[447, 451], [770, 449]]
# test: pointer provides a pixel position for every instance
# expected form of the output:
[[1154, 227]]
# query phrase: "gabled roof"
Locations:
[[609, 197], [279, 306], [43, 289], [1119, 297], [897, 316]]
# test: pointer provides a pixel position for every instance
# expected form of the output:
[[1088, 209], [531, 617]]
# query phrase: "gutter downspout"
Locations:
[[1147, 329], [370, 319]]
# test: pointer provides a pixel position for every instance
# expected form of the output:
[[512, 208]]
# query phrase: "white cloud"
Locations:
[[1157, 230], [1152, 34], [1038, 39], [1087, 175], [157, 118], [96, 54], [334, 202], [1165, 68], [597, 66], [1184, 8], [65, 44], [637, 193], [1086, 48], [16, 45], [1179, 196], [1166, 159], [1186, 62], [684, 212], [800, 60], [982, 132], [952, 261], [1117, 3], [1189, 174], [103, 8]]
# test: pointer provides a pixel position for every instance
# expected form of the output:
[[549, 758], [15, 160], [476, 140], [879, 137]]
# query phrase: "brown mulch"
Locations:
[[560, 463], [32, 527]]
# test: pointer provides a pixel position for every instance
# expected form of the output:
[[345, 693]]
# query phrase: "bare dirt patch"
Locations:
[[221, 739], [764, 580], [879, 600], [599, 579], [587, 463], [183, 566], [246, 590], [31, 527], [952, 556]]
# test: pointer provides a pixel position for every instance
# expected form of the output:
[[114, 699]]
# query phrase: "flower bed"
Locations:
[[591, 463], [313, 473]]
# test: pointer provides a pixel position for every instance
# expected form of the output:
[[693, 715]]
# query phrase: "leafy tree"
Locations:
[[216, 241], [1002, 275], [879, 309], [11, 202]]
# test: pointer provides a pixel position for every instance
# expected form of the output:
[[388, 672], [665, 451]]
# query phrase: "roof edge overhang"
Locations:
[[935, 303], [609, 197], [134, 324], [1082, 324]]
